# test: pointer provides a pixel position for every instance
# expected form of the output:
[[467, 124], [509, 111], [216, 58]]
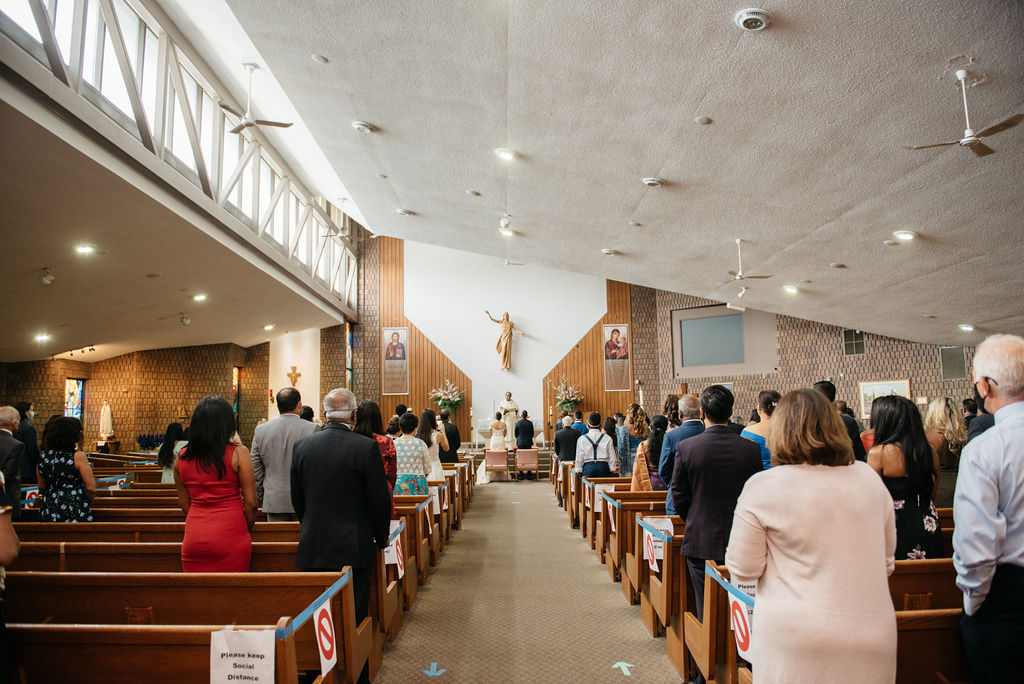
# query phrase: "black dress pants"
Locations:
[[696, 568], [994, 636]]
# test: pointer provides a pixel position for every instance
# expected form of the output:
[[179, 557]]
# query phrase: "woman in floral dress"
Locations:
[[909, 467], [413, 458], [66, 483]]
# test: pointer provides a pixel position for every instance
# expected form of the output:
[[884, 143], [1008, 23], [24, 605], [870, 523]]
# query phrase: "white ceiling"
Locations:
[[54, 197], [803, 160]]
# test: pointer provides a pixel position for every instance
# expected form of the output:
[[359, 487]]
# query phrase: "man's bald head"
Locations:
[[339, 405], [9, 418], [689, 407]]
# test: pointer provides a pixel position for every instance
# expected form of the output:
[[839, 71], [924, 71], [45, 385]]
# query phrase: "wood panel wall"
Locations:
[[428, 367], [583, 366]]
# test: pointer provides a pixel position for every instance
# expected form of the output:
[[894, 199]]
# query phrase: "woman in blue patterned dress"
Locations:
[[66, 483], [630, 436]]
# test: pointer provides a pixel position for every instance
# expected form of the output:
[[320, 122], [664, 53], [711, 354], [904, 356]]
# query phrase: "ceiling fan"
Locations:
[[247, 120], [505, 228], [738, 275], [972, 139]]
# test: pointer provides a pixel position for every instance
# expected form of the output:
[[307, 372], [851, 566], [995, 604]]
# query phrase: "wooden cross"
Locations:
[[294, 376]]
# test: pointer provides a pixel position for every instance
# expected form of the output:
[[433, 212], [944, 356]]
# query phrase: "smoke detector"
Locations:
[[607, 251], [653, 182], [364, 127], [753, 19], [185, 320]]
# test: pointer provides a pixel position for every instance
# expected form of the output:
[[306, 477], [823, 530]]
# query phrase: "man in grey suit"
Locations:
[[272, 455], [11, 453]]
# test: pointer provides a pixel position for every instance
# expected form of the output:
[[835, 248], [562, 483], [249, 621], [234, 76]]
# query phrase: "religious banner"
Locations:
[[395, 363], [617, 372]]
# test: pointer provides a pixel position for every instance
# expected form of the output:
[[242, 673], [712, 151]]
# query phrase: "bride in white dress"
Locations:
[[497, 443]]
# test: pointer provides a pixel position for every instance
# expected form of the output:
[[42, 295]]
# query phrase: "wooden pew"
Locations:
[[456, 475], [197, 599], [122, 515], [946, 525], [925, 584], [663, 594], [165, 557], [616, 528], [470, 463], [139, 532], [588, 512], [113, 654], [442, 514], [419, 520]]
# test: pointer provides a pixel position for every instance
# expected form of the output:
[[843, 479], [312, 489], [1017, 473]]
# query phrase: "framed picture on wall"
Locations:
[[869, 391], [394, 375], [617, 371]]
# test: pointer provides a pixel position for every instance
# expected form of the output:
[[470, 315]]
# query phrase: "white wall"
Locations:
[[446, 293], [302, 350]]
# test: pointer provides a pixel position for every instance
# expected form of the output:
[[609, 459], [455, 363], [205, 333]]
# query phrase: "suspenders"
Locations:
[[594, 444]]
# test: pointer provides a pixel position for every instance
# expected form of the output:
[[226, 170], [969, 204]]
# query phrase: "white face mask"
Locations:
[[31, 415]]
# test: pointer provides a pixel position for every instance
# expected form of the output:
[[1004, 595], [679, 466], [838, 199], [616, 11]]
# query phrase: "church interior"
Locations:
[[237, 197]]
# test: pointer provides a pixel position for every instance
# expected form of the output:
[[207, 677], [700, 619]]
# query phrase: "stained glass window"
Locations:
[[348, 355], [73, 394]]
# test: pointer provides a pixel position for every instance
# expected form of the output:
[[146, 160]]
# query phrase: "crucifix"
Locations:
[[294, 376]]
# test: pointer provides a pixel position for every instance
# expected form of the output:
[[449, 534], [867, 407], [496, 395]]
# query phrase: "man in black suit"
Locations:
[[829, 390], [565, 443], [710, 471], [340, 496], [523, 433], [451, 431], [11, 453]]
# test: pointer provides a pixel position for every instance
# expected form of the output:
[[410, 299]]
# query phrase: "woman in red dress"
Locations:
[[217, 491], [370, 423]]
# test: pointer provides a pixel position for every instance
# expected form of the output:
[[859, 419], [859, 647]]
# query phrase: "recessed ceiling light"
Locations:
[[753, 19], [966, 327], [905, 235], [404, 212], [319, 58], [506, 153], [507, 232], [268, 326], [702, 120], [791, 289], [85, 249], [608, 251], [836, 264], [473, 193], [42, 337], [890, 243], [199, 297], [652, 182], [364, 127]]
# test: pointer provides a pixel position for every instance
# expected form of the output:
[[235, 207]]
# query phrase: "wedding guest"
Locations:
[[820, 522], [648, 455], [369, 424], [174, 440], [435, 439], [630, 436], [26, 434], [671, 411], [66, 482], [757, 432], [217, 492], [946, 431], [909, 467], [413, 459]]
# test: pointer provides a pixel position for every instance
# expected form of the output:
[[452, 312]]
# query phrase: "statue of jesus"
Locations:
[[504, 346]]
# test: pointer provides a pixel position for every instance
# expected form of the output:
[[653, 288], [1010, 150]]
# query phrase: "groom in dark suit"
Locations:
[[710, 471], [340, 496]]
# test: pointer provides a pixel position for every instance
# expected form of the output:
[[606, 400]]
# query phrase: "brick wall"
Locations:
[[808, 352], [332, 364], [366, 335], [254, 383]]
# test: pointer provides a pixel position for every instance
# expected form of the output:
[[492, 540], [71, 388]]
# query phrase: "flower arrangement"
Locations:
[[447, 396], [567, 397]]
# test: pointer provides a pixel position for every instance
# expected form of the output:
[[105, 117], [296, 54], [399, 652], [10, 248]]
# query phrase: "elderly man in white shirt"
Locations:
[[595, 455], [988, 510]]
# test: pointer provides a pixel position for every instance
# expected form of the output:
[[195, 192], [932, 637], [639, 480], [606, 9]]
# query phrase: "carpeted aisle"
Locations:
[[520, 597]]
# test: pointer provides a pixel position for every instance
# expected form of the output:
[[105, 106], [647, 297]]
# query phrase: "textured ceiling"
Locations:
[[54, 197], [803, 160]]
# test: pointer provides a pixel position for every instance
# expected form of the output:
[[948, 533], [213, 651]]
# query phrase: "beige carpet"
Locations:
[[520, 597]]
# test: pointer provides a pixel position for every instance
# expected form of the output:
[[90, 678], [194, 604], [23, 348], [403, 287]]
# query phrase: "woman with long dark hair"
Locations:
[[174, 439], [909, 467], [648, 457], [66, 482], [370, 424], [432, 436], [671, 411], [217, 491]]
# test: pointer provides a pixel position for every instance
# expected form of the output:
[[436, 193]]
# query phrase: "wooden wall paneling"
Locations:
[[583, 366], [428, 365]]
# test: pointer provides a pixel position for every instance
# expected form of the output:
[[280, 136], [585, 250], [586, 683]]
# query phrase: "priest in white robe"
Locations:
[[509, 412]]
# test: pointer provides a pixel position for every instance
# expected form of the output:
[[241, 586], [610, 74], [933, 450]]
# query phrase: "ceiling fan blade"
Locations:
[[278, 124], [230, 110], [981, 149], [241, 126], [926, 147], [733, 273], [1001, 126]]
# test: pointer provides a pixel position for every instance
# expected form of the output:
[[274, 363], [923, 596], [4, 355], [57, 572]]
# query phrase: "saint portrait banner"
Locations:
[[617, 370], [395, 361]]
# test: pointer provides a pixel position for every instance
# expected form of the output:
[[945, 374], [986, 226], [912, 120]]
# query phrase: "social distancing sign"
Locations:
[[326, 639]]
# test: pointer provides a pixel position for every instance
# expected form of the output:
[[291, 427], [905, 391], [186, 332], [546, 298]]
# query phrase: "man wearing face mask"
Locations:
[[983, 421], [26, 434]]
